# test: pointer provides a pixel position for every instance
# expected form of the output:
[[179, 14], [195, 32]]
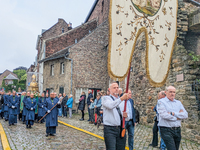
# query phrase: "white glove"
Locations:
[[42, 106], [59, 102], [48, 111], [31, 108], [13, 106], [7, 104]]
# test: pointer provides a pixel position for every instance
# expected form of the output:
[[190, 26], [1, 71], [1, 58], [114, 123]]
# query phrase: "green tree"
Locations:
[[19, 73]]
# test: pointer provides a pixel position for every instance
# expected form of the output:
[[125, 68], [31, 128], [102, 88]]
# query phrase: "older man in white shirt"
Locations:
[[113, 108], [171, 112]]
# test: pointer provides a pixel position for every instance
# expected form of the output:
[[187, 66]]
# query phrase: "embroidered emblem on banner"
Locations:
[[127, 20]]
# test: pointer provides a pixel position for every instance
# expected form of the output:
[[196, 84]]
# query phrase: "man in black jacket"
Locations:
[[64, 106], [88, 102]]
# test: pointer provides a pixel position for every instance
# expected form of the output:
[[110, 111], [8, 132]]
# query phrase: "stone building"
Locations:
[[5, 74], [86, 62]]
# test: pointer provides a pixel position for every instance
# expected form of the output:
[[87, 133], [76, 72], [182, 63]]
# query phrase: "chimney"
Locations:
[[69, 26]]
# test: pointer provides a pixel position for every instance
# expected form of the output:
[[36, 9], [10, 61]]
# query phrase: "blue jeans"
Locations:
[[162, 143], [59, 111], [130, 127]]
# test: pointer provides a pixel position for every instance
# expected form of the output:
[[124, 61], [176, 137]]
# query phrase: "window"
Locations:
[[76, 41], [10, 82], [52, 70], [63, 30], [62, 68], [61, 90], [102, 6]]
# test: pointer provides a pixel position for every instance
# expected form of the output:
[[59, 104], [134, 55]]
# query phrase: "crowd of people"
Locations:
[[29, 109], [108, 108]]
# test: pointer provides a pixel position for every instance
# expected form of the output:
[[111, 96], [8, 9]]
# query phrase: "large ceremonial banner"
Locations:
[[127, 20]]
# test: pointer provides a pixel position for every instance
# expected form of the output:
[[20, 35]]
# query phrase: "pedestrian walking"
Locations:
[[52, 117], [70, 105], [171, 112], [6, 106], [64, 106], [132, 122], [2, 104], [113, 111], [81, 105], [13, 102], [89, 102], [24, 113], [30, 106], [41, 106]]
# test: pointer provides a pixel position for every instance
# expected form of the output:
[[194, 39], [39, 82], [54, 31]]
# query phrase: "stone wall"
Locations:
[[145, 95], [66, 39], [58, 80]]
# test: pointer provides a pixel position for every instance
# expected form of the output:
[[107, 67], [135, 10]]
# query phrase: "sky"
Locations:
[[21, 21]]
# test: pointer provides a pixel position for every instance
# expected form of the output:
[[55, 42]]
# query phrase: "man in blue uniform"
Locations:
[[41, 106], [30, 106], [13, 102], [6, 106], [24, 107], [52, 117]]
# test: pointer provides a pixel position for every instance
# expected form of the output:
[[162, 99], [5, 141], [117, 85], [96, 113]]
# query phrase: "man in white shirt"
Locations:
[[113, 107], [171, 112]]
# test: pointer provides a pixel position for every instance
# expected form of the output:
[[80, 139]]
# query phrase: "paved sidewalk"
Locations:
[[67, 138]]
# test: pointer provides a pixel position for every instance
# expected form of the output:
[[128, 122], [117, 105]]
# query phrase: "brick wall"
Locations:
[[101, 11], [67, 39]]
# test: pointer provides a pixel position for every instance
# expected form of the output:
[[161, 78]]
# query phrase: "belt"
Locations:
[[112, 126], [172, 128]]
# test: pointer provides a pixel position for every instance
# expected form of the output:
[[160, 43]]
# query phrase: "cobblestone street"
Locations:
[[68, 138]]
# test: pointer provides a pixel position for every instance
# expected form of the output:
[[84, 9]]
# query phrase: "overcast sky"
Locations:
[[21, 21]]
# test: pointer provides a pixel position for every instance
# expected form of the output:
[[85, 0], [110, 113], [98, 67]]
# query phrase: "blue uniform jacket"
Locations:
[[30, 103], [13, 102], [52, 117], [24, 108], [6, 102], [41, 102]]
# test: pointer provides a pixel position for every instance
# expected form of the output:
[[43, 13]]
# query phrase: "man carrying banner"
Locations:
[[52, 117], [112, 118]]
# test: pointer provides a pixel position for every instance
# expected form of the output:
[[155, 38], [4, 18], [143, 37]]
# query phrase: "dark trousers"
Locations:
[[155, 134], [64, 111], [171, 137], [51, 130], [82, 111], [89, 113], [29, 122], [112, 138]]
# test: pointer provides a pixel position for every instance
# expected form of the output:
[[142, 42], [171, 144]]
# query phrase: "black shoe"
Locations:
[[30, 126], [9, 124], [152, 145], [27, 126], [88, 120], [95, 124], [52, 134], [81, 119], [47, 135]]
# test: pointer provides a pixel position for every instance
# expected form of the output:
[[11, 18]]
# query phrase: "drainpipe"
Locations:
[[71, 68]]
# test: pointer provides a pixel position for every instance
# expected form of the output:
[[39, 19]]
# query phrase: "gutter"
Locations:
[[91, 10], [66, 55], [193, 2]]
